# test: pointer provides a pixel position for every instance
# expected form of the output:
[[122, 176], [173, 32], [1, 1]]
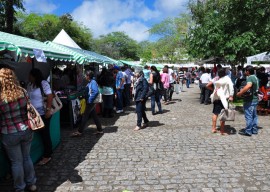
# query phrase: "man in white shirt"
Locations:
[[204, 80], [172, 80]]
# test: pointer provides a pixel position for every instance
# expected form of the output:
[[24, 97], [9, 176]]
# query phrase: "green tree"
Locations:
[[36, 26], [146, 51], [229, 29], [172, 34], [118, 45], [8, 9]]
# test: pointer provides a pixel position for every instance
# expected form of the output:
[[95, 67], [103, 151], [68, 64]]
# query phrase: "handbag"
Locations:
[[35, 121], [227, 114], [98, 99], [56, 103]]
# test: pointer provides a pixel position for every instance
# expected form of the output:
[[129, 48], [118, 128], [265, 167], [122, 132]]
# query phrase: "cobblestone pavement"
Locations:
[[177, 152]]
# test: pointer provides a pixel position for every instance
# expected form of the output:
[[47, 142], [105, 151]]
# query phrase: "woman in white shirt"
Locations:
[[222, 91], [37, 89]]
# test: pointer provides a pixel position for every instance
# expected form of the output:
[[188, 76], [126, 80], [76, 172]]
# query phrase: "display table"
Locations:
[[36, 147], [71, 112]]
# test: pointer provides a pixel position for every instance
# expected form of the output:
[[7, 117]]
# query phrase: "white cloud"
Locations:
[[41, 6], [171, 7], [134, 29], [131, 16], [105, 16]]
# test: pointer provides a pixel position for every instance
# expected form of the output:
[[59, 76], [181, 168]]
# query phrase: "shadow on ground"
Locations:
[[62, 170]]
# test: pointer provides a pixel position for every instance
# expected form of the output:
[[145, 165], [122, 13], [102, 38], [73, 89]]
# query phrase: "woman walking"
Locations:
[[141, 90], [39, 88], [16, 134], [222, 91], [90, 110]]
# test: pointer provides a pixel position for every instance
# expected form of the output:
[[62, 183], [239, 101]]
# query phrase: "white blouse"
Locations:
[[36, 96]]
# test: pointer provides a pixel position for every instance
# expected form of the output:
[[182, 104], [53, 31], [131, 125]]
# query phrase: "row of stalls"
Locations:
[[63, 65]]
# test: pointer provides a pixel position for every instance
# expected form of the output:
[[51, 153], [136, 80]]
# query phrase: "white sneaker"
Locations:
[[120, 111]]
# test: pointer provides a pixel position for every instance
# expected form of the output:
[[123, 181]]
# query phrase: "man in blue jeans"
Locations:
[[250, 102]]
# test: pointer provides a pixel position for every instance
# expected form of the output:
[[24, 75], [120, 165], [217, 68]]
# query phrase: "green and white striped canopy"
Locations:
[[25, 47], [83, 56]]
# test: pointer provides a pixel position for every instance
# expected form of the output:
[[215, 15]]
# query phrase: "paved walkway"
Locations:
[[177, 152]]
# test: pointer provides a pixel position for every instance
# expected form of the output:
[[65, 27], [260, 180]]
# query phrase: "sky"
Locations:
[[134, 17]]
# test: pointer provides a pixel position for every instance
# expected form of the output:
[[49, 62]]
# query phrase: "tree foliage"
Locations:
[[171, 45], [118, 45], [229, 29], [8, 9], [46, 27]]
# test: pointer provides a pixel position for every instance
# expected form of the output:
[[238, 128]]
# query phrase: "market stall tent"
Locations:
[[64, 39], [265, 56], [23, 46]]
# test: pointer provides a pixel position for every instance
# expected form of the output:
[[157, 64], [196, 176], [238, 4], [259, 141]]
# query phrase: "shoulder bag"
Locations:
[[56, 102], [35, 121], [227, 114]]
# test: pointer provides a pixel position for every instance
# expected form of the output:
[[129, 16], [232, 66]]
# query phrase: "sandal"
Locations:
[[76, 134], [98, 132], [44, 161]]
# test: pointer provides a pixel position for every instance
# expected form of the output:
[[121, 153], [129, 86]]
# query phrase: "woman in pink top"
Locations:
[[165, 79]]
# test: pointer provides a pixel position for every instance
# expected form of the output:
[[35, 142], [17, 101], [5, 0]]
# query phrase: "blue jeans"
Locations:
[[188, 82], [17, 146], [250, 109], [119, 93], [140, 110], [155, 98]]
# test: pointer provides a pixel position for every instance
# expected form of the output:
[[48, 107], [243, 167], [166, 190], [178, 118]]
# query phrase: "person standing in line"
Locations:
[[204, 80], [37, 88], [127, 88], [119, 84], [91, 93], [124, 93], [106, 82], [222, 92], [15, 131], [146, 72], [141, 90], [250, 102], [172, 81], [155, 81], [165, 79]]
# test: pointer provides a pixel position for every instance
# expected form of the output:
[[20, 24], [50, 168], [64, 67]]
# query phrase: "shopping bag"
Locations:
[[56, 103], [227, 114], [177, 88]]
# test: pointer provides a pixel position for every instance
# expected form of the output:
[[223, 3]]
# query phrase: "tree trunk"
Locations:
[[9, 16]]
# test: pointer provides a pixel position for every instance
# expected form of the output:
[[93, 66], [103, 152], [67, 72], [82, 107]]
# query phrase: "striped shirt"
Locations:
[[13, 116], [181, 75]]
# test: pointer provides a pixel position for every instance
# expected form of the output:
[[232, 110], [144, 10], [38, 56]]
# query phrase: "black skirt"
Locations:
[[218, 106]]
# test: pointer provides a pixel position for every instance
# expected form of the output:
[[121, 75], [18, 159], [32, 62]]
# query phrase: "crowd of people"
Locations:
[[221, 86], [119, 86]]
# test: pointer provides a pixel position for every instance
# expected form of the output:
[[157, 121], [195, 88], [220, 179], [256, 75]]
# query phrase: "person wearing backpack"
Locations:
[[250, 102]]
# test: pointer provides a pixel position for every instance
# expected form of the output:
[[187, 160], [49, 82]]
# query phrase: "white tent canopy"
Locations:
[[265, 56], [64, 39]]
